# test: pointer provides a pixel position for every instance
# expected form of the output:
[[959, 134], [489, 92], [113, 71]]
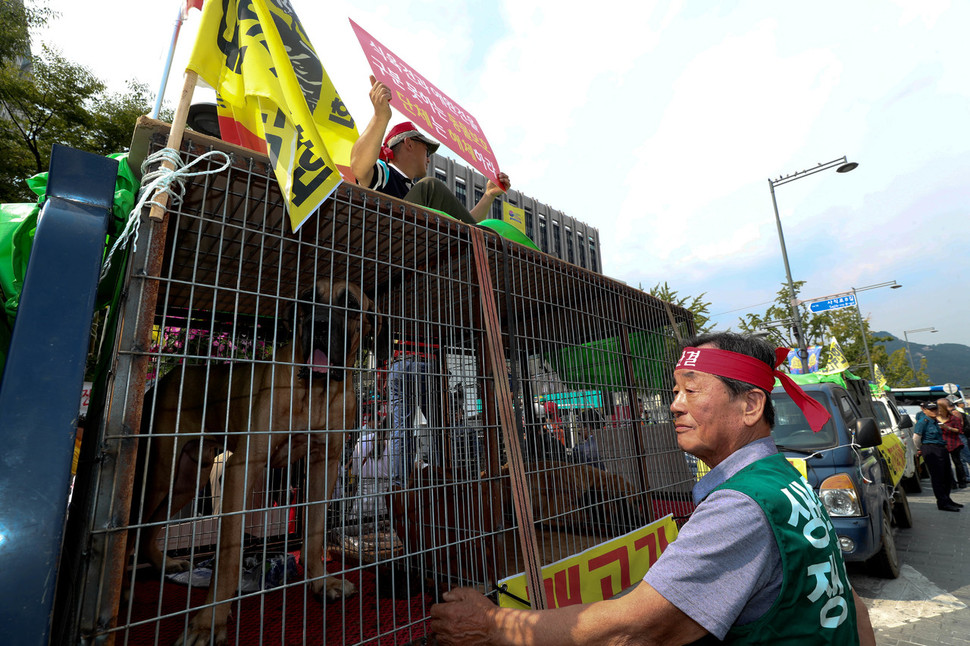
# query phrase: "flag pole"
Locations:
[[175, 140], [168, 63]]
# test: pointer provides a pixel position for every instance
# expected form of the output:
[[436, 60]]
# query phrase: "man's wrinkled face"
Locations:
[[707, 420]]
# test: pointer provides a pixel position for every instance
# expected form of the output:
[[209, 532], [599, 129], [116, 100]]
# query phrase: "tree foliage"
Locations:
[[46, 99], [844, 326], [700, 308]]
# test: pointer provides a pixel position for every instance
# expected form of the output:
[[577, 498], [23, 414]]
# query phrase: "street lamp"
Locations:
[[906, 334], [841, 165], [892, 284]]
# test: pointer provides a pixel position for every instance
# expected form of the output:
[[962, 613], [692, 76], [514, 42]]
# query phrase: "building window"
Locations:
[[496, 210], [582, 253], [460, 191], [556, 242], [569, 246], [542, 233], [528, 222], [440, 174], [479, 194], [592, 255]]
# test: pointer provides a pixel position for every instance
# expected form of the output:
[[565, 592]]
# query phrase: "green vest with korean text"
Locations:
[[815, 604]]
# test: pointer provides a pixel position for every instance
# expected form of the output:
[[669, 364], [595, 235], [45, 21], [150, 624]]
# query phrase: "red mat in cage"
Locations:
[[679, 508], [289, 615]]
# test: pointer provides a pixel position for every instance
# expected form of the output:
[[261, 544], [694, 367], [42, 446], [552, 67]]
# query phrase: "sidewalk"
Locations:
[[929, 604]]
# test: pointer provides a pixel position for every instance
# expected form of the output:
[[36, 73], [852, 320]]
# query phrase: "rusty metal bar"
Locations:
[[520, 495]]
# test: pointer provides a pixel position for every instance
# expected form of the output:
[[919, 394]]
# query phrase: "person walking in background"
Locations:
[[929, 439], [959, 411], [952, 427]]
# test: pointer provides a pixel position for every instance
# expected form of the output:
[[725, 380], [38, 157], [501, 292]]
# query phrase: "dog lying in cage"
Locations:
[[266, 414], [580, 497]]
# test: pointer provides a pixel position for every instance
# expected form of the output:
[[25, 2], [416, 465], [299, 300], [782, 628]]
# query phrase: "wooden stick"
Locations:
[[673, 322], [175, 140]]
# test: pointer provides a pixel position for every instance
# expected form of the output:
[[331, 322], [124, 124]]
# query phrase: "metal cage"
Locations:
[[511, 410]]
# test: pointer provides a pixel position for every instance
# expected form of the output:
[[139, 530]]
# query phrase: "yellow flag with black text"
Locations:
[[257, 56], [835, 360]]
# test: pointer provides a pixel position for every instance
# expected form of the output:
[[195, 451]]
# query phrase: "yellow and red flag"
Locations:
[[272, 87]]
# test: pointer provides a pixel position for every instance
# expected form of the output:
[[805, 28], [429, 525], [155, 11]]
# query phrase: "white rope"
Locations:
[[164, 180]]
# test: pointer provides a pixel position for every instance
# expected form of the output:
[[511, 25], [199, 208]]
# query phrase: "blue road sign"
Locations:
[[836, 303]]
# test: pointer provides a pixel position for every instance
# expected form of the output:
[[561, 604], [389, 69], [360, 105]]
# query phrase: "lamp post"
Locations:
[[892, 284], [906, 334], [841, 165]]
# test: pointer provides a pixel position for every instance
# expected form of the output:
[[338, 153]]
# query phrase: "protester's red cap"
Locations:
[[733, 365], [404, 130]]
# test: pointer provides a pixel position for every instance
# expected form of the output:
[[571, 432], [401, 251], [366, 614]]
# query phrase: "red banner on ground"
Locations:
[[428, 107]]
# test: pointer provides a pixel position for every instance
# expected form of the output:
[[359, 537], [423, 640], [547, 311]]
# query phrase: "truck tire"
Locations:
[[885, 563], [902, 516]]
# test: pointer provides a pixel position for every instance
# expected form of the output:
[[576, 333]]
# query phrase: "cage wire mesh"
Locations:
[[385, 369]]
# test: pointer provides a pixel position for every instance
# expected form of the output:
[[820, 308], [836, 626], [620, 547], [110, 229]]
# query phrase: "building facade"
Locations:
[[552, 230]]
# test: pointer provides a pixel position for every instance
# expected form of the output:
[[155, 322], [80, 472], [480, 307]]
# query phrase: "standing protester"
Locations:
[[758, 562], [929, 439], [959, 411], [397, 165], [952, 427]]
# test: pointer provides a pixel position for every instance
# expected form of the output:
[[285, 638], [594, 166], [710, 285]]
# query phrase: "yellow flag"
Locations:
[[835, 360], [257, 56], [880, 378]]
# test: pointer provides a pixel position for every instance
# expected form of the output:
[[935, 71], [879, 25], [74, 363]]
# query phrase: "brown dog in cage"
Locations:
[[580, 497], [267, 414]]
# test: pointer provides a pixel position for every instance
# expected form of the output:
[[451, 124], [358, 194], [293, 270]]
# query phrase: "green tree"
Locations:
[[844, 326], [700, 308], [777, 320], [46, 99]]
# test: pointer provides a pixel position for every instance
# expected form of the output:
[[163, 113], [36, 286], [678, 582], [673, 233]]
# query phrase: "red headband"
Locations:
[[733, 365]]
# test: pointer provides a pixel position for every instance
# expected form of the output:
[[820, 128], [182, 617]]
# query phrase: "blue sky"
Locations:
[[660, 123]]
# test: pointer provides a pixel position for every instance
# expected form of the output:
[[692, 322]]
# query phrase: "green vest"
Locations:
[[815, 604]]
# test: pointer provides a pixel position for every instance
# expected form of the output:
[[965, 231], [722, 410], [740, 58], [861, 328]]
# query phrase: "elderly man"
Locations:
[[757, 563], [398, 166]]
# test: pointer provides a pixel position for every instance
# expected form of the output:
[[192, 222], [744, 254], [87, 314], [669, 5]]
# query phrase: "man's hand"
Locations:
[[493, 190], [380, 97], [367, 148], [464, 619]]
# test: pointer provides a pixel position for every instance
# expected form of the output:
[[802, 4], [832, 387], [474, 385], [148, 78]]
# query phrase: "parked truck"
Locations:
[[855, 470]]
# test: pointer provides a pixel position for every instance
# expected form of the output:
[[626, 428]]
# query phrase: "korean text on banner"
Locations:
[[599, 572], [428, 107], [257, 56]]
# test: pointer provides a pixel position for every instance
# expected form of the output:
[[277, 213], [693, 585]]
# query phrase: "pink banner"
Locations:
[[428, 107]]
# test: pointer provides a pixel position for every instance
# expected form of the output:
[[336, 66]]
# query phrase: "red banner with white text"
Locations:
[[428, 107]]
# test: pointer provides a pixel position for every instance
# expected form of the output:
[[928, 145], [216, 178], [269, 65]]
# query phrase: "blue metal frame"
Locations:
[[43, 378]]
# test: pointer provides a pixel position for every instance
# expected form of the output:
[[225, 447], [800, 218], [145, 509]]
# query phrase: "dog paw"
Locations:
[[202, 633], [174, 566], [334, 589]]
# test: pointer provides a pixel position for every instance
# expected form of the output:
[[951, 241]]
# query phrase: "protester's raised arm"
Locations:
[[367, 148]]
